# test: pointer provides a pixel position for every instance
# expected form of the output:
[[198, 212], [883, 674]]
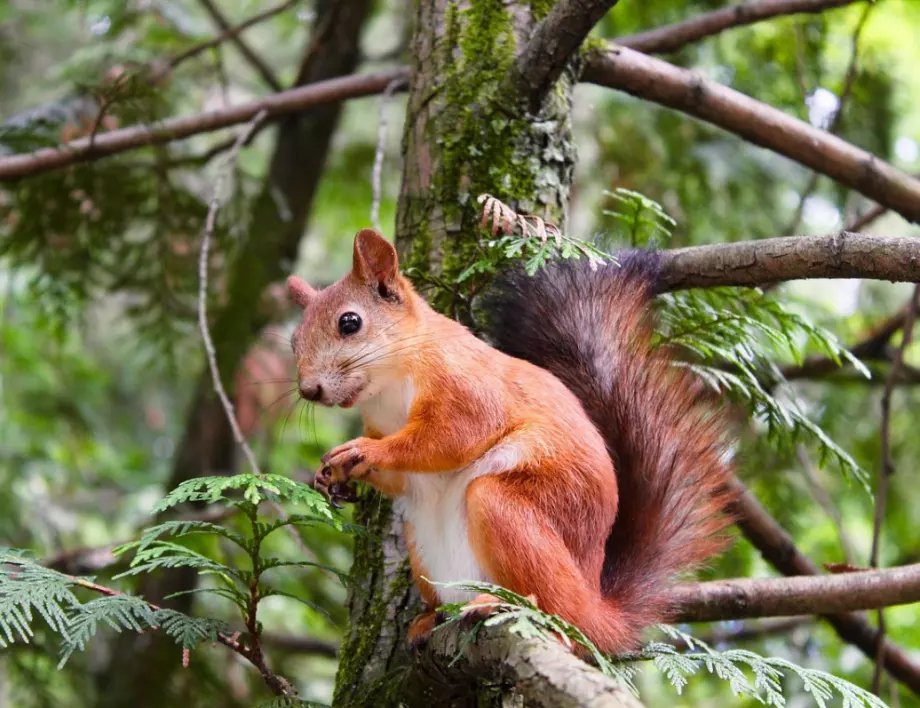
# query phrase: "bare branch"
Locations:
[[750, 263], [671, 38], [296, 644], [684, 90], [552, 44], [295, 100], [744, 598], [780, 551], [257, 63], [231, 32]]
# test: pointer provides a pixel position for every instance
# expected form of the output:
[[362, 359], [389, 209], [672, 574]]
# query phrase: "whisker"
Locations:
[[268, 381], [279, 399], [386, 329], [407, 342], [288, 416], [409, 338]]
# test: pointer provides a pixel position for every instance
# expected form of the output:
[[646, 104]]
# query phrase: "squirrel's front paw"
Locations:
[[352, 460]]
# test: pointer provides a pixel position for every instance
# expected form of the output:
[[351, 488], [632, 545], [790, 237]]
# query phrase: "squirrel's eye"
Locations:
[[349, 323]]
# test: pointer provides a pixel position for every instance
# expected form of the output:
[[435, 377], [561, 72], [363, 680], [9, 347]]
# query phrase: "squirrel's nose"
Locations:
[[311, 391]]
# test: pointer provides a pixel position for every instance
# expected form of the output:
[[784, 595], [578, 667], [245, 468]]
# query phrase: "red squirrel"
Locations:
[[569, 463]]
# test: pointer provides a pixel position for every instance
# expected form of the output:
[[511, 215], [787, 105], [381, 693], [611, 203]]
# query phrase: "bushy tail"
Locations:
[[591, 329]]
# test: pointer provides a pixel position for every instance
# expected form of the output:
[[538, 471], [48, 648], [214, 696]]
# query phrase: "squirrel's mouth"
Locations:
[[352, 397]]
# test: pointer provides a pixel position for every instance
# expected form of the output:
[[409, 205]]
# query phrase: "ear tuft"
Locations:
[[375, 262], [299, 291]]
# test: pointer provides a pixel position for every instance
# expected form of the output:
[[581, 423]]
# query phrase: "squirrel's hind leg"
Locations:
[[520, 549]]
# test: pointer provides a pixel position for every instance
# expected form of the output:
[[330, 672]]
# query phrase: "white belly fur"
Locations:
[[435, 505]]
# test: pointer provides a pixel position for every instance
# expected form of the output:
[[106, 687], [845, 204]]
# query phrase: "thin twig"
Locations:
[[824, 500], [887, 469], [227, 404], [381, 147], [250, 55], [203, 290], [231, 32], [849, 79]]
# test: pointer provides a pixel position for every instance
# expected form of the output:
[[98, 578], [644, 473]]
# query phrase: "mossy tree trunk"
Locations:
[[466, 134]]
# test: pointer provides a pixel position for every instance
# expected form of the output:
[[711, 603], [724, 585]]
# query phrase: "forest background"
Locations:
[[107, 401]]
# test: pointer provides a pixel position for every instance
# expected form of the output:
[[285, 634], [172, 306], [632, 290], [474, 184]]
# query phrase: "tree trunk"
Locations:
[[464, 136]]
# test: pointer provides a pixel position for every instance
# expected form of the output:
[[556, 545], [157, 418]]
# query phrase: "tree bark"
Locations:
[[139, 672], [772, 260], [462, 138]]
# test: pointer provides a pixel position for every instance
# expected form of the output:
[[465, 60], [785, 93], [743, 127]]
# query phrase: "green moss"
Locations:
[[356, 687], [485, 143], [540, 8]]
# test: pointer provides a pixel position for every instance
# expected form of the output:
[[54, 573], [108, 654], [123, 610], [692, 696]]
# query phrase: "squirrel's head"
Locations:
[[349, 345]]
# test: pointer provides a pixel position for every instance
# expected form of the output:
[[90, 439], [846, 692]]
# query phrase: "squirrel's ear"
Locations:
[[375, 262], [299, 291]]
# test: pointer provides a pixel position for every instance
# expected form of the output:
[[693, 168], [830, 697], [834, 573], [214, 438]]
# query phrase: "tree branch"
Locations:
[[747, 598], [542, 671], [671, 38], [552, 44], [781, 552], [751, 263], [295, 644], [660, 82], [320, 93], [268, 76]]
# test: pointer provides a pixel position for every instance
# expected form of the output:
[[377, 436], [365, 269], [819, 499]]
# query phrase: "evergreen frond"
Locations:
[[733, 665], [734, 338], [642, 222], [118, 612], [159, 555], [183, 528], [188, 631], [266, 564], [27, 589], [255, 489]]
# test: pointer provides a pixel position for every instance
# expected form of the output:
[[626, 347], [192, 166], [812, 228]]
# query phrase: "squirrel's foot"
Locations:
[[479, 608], [421, 628], [335, 491]]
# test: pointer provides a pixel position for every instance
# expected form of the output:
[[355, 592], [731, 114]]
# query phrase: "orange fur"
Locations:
[[500, 470]]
